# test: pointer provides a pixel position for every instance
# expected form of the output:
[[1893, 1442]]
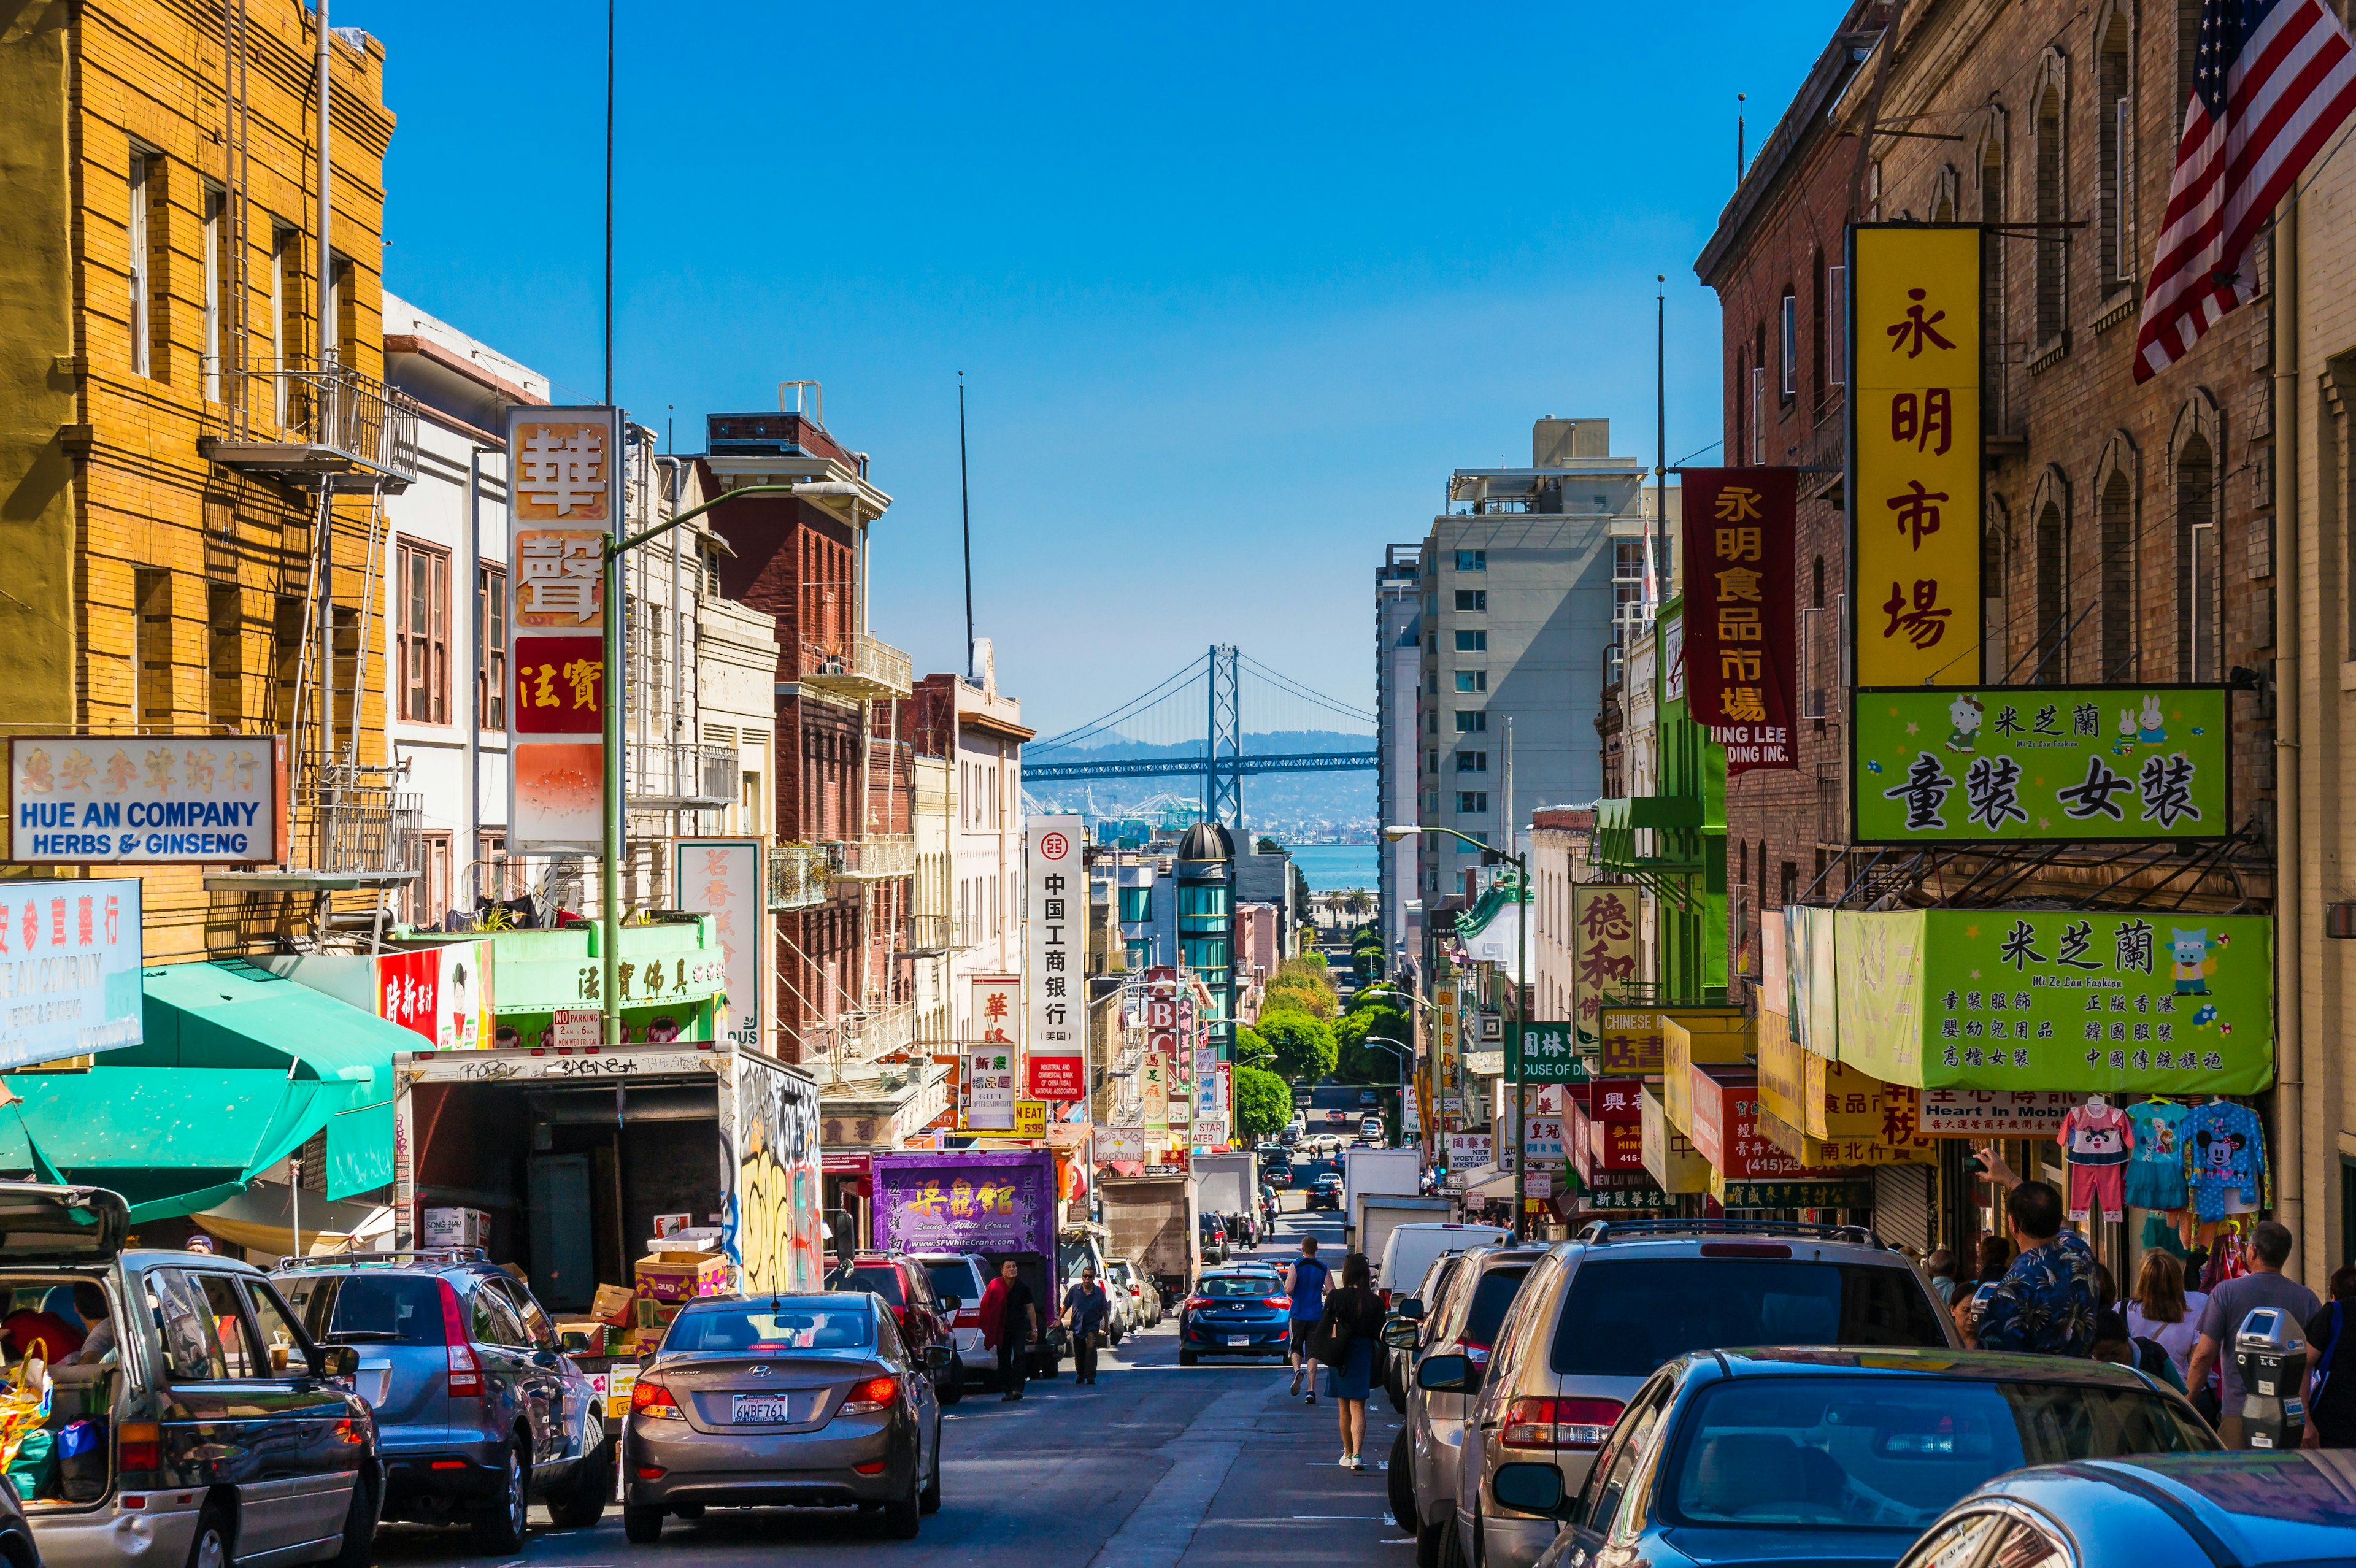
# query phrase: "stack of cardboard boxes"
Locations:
[[668, 1278]]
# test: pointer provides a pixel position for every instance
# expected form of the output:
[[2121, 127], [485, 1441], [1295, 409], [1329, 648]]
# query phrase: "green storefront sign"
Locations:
[[2058, 1000], [1799, 1195], [2040, 763], [1549, 1053]]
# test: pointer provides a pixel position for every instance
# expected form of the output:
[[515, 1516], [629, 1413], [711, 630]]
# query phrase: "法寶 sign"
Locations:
[[564, 508], [2041, 763], [69, 969], [149, 799], [2059, 999], [725, 878], [1915, 456], [1056, 883], [991, 1055], [1740, 672], [1603, 947]]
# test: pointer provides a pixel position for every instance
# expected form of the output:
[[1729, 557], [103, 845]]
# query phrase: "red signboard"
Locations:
[[1726, 1130], [1056, 1078], [560, 685], [1740, 665]]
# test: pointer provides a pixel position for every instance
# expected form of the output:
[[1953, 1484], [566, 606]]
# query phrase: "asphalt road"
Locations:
[[1153, 1466]]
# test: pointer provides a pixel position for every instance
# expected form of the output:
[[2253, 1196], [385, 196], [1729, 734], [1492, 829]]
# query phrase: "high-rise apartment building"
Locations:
[[1399, 657]]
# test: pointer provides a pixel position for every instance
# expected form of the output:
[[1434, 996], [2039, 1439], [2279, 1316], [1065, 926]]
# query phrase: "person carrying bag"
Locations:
[[1345, 1344]]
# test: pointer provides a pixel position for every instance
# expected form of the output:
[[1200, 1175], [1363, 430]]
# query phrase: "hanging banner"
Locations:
[[1740, 667], [1811, 980], [442, 993], [1056, 885], [2042, 763], [991, 1060], [1603, 948], [1630, 1041], [1915, 454], [725, 878], [150, 799], [564, 508], [69, 958]]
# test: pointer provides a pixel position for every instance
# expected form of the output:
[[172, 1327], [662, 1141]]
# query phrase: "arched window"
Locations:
[[2052, 253], [2116, 124], [2052, 595], [1816, 596], [2117, 511], [1995, 661], [2197, 557]]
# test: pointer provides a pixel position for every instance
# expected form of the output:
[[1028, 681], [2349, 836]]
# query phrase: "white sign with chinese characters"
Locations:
[[1055, 883], [147, 799], [990, 1060], [69, 969], [1994, 1113], [723, 877]]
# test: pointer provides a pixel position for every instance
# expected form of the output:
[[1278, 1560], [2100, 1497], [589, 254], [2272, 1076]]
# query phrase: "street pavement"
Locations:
[[1155, 1465]]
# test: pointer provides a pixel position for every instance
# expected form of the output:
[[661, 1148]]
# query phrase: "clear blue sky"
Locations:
[[1234, 287]]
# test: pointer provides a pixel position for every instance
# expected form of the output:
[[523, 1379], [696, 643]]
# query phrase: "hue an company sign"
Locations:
[[146, 799]]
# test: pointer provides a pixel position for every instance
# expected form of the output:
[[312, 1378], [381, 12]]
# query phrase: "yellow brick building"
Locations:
[[168, 414]]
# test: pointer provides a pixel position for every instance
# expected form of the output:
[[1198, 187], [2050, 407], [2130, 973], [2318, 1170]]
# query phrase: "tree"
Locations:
[[1304, 1046], [1300, 997], [1263, 1105], [1358, 1063], [1251, 1049]]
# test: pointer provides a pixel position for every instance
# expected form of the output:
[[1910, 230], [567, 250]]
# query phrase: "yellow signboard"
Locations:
[[1030, 1118], [1915, 354]]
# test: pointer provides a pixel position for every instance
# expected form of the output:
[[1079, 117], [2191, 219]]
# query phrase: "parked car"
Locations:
[[1125, 1278], [797, 1401], [1740, 1457], [1326, 1192], [959, 1280], [1214, 1238], [1371, 1127], [905, 1285], [1601, 1314], [1278, 1175], [2257, 1510], [1422, 1307], [1235, 1312], [1408, 1250], [1485, 1282], [478, 1410], [212, 1375]]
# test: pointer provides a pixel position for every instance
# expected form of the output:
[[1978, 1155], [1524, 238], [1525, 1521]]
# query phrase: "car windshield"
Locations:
[[956, 1279], [1891, 1452], [1496, 1293], [880, 1278], [375, 1308], [1236, 1287], [1625, 1317], [766, 1330]]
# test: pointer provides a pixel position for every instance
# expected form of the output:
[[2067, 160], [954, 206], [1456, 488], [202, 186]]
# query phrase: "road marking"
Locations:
[[1158, 1531]]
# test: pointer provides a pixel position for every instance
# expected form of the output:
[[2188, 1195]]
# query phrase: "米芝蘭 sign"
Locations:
[[1738, 603], [69, 957], [1915, 454], [2041, 763], [146, 799]]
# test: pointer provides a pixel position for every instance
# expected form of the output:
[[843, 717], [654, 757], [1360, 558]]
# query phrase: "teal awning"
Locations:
[[240, 1069]]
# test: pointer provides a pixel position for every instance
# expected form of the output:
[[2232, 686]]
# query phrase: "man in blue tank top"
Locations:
[[1306, 1282]]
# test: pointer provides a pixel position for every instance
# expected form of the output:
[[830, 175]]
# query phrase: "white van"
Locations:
[[1412, 1249]]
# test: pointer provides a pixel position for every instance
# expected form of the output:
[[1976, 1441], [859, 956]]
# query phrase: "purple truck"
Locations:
[[996, 1203]]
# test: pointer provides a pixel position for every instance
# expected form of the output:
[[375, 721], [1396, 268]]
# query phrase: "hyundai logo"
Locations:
[[756, 1372]]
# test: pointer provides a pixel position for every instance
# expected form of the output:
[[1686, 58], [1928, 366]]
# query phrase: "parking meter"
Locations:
[[2272, 1360]]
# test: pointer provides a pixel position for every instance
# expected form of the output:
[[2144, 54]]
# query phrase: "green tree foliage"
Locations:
[[1251, 1049], [1358, 1063], [1263, 1105], [1299, 996], [1304, 1045]]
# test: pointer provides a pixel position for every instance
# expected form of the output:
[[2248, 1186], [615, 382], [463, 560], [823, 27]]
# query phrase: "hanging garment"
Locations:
[[2226, 1160], [2096, 1145], [2156, 1168], [2159, 1235]]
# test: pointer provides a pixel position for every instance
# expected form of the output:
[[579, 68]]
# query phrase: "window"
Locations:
[[1616, 1324], [2196, 546], [2052, 595], [391, 1309], [429, 895], [1472, 721], [491, 647], [1817, 324], [1203, 953], [1790, 358], [216, 204], [141, 264], [2119, 579], [2052, 253], [223, 646], [1472, 642], [1995, 619], [2117, 151], [342, 308], [1758, 414], [1139, 951], [423, 641], [1202, 901], [280, 1342], [192, 1346], [1471, 680], [1471, 762], [241, 1357], [1136, 904], [536, 1326], [152, 589], [492, 1318], [284, 252], [1472, 561], [1836, 324], [1472, 598], [1476, 800]]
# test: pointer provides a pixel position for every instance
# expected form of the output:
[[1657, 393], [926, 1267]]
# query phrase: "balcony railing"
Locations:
[[877, 856], [799, 875], [859, 1037], [931, 933], [867, 669], [353, 827], [683, 775], [328, 424]]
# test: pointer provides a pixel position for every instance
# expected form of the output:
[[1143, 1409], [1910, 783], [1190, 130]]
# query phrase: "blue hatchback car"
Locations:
[[1235, 1312]]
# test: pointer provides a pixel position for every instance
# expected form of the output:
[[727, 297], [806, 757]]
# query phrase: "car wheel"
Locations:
[[360, 1517], [1427, 1542], [953, 1390], [642, 1523], [210, 1548], [582, 1502], [929, 1499], [499, 1524], [903, 1517], [1451, 1542], [1401, 1478], [1185, 1358]]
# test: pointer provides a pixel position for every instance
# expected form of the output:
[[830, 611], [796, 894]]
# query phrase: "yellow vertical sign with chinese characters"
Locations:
[[1915, 352]]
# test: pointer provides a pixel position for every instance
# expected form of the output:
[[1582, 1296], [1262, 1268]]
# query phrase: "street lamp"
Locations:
[[1406, 1053], [1492, 856]]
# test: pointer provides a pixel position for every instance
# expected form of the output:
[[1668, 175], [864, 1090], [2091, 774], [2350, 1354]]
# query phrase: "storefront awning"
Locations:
[[239, 1070]]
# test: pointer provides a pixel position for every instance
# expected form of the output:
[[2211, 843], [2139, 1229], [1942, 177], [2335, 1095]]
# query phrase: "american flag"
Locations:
[[2271, 82]]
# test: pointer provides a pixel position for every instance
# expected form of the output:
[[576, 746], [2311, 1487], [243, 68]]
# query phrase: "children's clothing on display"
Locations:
[[2095, 1146], [2156, 1170], [2226, 1160]]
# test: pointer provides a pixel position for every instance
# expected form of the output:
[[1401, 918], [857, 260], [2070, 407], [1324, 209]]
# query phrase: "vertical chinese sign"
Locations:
[[563, 497], [1738, 584], [990, 1057], [723, 877], [1161, 1051], [1056, 883], [1603, 949], [1915, 454]]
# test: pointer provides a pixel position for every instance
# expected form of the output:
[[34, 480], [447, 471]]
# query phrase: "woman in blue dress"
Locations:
[[1354, 1310]]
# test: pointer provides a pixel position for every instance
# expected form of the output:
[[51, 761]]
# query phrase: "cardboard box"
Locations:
[[701, 1239], [656, 1314], [619, 1382], [454, 1228], [680, 1276], [580, 1336], [614, 1304], [671, 1224]]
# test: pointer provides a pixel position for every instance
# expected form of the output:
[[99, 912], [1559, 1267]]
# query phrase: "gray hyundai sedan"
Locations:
[[792, 1401]]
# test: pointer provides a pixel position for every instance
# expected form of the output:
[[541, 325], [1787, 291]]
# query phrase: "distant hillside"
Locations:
[[1303, 805]]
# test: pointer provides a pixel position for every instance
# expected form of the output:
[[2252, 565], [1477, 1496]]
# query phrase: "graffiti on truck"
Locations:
[[773, 1229]]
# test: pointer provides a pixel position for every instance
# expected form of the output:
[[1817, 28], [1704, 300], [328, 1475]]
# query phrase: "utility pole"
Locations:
[[964, 515]]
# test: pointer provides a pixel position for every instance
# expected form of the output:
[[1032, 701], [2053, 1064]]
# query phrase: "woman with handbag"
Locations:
[[1345, 1340]]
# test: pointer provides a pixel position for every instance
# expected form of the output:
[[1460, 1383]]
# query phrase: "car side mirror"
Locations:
[[1409, 1306], [336, 1362], [1447, 1374], [1529, 1489], [1401, 1334], [951, 1303], [937, 1358]]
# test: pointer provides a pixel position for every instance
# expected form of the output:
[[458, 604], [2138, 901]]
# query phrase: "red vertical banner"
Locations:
[[1738, 643]]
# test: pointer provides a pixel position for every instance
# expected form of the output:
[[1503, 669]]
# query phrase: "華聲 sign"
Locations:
[[146, 799], [70, 959]]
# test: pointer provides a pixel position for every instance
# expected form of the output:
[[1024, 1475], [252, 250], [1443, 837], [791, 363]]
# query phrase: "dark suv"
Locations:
[[905, 1285], [478, 1410]]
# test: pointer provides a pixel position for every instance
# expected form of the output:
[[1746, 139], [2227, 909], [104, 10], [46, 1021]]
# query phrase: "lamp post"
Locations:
[[1492, 856], [1405, 1053]]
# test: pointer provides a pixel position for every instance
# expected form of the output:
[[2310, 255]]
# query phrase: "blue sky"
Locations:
[[1234, 288]]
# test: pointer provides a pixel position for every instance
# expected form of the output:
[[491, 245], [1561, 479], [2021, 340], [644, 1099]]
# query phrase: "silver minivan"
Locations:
[[1601, 1314]]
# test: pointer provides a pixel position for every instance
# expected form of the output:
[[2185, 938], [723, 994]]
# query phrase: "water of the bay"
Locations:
[[1335, 867]]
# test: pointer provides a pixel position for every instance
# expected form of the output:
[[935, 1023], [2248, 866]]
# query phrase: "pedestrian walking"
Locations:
[[1941, 1266], [2233, 1300], [1009, 1321], [1085, 1310], [1345, 1340], [2331, 1399], [2045, 1302], [1305, 1282], [2161, 1309]]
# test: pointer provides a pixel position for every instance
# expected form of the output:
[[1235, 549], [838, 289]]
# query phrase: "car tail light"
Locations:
[[650, 1398], [466, 1377], [1558, 1422], [139, 1446], [874, 1395], [1196, 1303], [873, 1467], [1745, 1250], [651, 1472], [1473, 1352], [1279, 1302], [1387, 1301]]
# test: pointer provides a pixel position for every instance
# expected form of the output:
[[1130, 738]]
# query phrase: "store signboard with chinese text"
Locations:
[[441, 992], [724, 877], [993, 1055], [1740, 665], [1834, 1194], [1981, 1113], [564, 508], [1603, 947], [146, 799], [2059, 1000], [69, 961], [1630, 1039], [1056, 909], [1670, 1158], [2040, 764], [1467, 1151], [1915, 453]]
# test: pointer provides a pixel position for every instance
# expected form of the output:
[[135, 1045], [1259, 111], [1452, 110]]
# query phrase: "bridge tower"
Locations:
[[1223, 779]]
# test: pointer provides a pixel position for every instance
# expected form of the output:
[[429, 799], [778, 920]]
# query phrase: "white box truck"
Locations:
[[1375, 1172], [1227, 1183]]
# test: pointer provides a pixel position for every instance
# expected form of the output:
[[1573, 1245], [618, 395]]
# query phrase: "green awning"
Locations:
[[240, 1069]]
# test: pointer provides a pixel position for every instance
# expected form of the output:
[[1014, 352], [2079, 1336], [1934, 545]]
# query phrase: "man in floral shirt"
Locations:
[[2045, 1302]]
